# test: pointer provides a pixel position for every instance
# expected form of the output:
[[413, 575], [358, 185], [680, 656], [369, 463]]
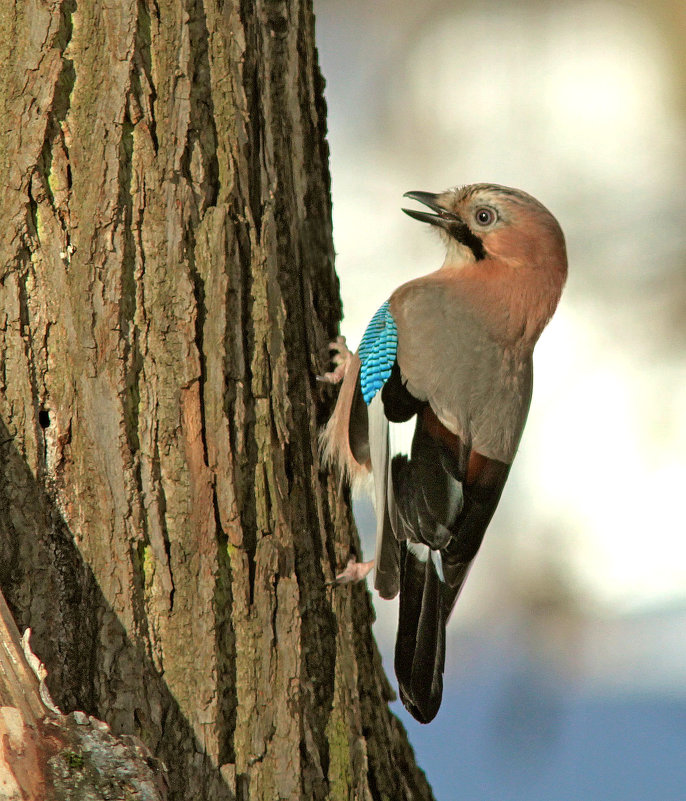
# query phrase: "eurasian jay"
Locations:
[[451, 350]]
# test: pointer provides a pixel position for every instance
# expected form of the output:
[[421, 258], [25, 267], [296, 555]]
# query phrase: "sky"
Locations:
[[566, 664]]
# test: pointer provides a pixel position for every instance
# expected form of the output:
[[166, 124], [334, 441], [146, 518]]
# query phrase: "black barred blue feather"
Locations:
[[377, 352]]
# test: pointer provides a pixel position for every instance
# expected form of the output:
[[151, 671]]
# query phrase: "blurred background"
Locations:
[[566, 663]]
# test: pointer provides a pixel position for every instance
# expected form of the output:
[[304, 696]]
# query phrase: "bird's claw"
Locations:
[[354, 571], [341, 359]]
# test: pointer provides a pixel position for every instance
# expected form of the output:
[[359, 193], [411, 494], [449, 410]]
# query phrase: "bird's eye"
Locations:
[[485, 216]]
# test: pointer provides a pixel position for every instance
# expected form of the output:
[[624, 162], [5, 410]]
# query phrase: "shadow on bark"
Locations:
[[50, 588]]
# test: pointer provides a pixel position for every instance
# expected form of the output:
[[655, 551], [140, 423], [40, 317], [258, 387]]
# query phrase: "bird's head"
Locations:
[[487, 221], [506, 249]]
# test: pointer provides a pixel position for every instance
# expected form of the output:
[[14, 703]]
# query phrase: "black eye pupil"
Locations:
[[484, 216]]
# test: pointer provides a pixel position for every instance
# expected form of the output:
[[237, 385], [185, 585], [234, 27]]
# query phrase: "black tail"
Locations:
[[439, 515], [420, 645]]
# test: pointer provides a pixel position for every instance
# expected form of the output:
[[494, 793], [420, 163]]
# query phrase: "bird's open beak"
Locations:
[[443, 218], [450, 222]]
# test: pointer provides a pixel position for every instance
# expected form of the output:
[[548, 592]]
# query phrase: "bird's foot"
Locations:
[[354, 571], [341, 359]]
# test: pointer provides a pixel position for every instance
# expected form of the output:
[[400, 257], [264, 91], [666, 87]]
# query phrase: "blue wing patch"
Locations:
[[377, 352]]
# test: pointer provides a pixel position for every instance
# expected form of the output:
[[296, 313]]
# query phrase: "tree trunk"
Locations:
[[167, 293]]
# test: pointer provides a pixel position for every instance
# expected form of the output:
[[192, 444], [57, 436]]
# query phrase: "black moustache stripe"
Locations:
[[463, 233]]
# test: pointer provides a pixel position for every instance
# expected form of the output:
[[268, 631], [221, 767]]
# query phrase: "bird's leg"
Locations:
[[341, 359], [354, 571]]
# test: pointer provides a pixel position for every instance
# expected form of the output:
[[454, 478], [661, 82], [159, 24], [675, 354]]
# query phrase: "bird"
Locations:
[[450, 351]]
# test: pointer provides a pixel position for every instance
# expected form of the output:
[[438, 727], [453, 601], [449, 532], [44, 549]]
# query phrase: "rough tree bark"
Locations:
[[166, 296]]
